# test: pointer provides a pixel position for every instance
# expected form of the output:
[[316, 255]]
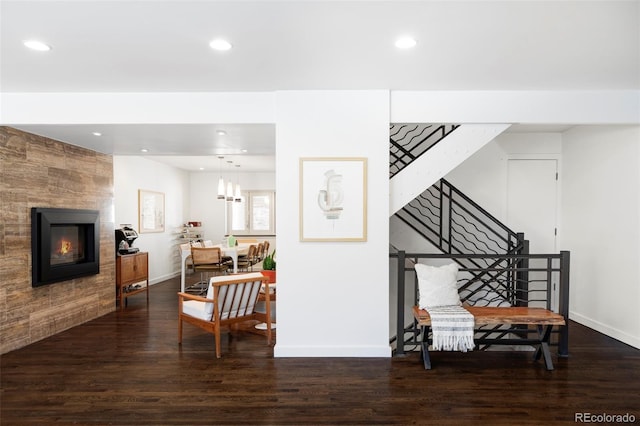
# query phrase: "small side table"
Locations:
[[132, 276]]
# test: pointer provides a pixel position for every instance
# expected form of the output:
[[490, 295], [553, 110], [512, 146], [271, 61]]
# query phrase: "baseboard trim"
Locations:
[[281, 351], [165, 277], [613, 332]]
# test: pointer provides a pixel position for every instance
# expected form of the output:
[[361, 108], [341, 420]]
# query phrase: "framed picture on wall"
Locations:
[[333, 199], [150, 211]]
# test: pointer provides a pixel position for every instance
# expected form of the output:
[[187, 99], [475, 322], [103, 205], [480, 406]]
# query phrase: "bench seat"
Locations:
[[543, 319]]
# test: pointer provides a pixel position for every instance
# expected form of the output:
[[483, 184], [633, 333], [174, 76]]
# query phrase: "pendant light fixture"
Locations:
[[226, 192], [238, 195], [229, 186], [221, 192]]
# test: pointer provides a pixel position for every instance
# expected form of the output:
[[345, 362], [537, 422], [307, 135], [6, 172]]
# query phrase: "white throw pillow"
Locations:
[[437, 285]]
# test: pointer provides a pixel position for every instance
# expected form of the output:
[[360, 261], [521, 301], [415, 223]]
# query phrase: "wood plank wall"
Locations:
[[39, 172]]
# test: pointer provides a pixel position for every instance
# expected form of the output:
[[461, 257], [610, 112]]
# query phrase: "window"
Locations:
[[254, 215]]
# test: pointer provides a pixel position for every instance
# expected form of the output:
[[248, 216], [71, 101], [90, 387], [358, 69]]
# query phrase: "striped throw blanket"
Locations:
[[452, 328]]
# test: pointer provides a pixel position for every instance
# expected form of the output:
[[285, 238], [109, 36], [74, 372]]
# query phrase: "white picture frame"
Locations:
[[150, 211]]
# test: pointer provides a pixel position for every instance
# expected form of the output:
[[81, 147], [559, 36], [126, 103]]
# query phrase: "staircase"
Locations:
[[494, 260], [450, 220], [432, 206], [447, 146]]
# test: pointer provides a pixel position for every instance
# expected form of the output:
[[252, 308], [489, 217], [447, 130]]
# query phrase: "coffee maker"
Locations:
[[125, 237]]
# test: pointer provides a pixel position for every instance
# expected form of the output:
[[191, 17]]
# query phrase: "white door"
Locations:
[[532, 205]]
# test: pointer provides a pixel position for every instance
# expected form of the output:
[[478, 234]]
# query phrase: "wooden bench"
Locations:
[[543, 319]]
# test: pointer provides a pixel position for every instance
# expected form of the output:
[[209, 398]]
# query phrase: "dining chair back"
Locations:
[[260, 253], [208, 260], [246, 262]]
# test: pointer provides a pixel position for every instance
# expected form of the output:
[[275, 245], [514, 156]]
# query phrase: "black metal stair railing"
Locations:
[[455, 224], [410, 141], [542, 270]]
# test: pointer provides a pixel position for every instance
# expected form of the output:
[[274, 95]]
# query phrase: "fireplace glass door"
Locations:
[[67, 244]]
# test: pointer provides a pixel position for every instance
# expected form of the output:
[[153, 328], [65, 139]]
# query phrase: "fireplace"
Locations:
[[65, 244]]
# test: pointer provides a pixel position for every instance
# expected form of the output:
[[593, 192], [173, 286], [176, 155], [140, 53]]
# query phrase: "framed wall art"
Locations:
[[150, 211], [333, 199]]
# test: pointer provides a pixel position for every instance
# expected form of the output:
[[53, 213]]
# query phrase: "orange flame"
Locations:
[[65, 247]]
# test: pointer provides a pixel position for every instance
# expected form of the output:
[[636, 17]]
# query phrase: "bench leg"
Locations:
[[424, 348], [543, 349]]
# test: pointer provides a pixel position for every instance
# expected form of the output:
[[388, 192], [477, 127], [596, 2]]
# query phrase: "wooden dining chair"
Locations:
[[260, 253], [247, 261], [206, 260]]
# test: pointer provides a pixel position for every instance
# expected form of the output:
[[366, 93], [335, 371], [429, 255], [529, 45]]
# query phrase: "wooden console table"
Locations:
[[131, 271]]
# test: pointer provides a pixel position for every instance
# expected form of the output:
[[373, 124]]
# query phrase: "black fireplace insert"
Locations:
[[65, 244]]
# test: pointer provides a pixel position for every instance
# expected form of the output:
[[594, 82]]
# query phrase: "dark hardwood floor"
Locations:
[[126, 368]]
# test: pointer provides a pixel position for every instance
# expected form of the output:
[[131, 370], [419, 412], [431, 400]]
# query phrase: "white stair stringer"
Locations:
[[438, 161]]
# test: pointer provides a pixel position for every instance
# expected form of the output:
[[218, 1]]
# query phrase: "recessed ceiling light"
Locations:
[[37, 45], [245, 150], [220, 44], [201, 168], [144, 150], [221, 132], [405, 42], [96, 134]]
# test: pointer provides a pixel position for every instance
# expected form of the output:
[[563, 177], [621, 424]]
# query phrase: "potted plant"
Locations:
[[269, 266]]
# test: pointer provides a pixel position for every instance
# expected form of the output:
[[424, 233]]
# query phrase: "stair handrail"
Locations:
[[434, 210]]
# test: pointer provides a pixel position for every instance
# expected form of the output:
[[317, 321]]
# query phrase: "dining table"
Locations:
[[239, 249]]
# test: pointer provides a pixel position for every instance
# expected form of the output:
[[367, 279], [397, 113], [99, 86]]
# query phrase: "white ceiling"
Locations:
[[162, 46], [186, 146]]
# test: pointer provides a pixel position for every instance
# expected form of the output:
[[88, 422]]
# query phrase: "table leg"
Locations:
[[184, 255]]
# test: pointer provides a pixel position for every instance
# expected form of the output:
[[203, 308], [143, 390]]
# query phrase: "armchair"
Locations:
[[230, 300]]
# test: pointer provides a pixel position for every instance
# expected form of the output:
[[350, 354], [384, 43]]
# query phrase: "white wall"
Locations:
[[132, 173], [133, 108], [206, 208], [406, 106], [516, 106], [483, 176], [600, 216], [332, 296]]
